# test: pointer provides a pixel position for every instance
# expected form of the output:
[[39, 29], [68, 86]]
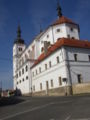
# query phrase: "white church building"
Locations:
[[57, 62]]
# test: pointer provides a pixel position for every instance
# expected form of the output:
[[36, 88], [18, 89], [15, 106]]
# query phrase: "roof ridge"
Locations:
[[64, 19], [63, 42]]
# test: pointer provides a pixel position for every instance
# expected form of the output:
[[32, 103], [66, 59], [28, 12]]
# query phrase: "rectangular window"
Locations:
[[45, 66], [68, 36], [40, 86], [50, 64], [33, 73], [58, 30], [36, 72], [89, 57], [33, 87], [47, 85], [51, 83], [60, 81], [75, 57], [22, 71], [57, 59], [19, 73], [47, 36], [71, 29], [26, 77], [79, 77], [40, 69], [26, 68]]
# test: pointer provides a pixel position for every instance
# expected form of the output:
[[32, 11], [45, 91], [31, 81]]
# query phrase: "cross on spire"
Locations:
[[40, 28], [59, 10], [19, 32]]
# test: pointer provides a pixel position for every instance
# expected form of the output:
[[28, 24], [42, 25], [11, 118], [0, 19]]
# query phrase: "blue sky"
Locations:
[[30, 14]]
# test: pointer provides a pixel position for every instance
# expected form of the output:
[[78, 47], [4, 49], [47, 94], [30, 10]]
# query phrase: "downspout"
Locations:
[[69, 72], [31, 81], [52, 34], [63, 59]]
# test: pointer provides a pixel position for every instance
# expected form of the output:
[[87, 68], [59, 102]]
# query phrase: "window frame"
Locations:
[[58, 60], [79, 78], [40, 86], [26, 68], [71, 29], [50, 65], [45, 66], [89, 58], [58, 30], [52, 83], [75, 57], [60, 81]]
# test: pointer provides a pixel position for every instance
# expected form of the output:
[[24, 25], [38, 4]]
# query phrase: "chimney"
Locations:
[[46, 45]]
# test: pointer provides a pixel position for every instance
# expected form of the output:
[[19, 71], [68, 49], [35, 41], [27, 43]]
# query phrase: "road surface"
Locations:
[[46, 108]]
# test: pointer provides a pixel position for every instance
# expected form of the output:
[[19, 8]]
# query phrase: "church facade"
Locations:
[[57, 62]]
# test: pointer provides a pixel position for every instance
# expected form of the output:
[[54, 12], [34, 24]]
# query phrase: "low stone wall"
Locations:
[[81, 88], [61, 91], [40, 93]]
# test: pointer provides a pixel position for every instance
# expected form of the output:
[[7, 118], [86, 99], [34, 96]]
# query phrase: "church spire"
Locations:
[[19, 32], [19, 39], [59, 10]]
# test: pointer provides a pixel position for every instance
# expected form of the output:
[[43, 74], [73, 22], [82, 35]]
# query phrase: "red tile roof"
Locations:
[[63, 42], [62, 20]]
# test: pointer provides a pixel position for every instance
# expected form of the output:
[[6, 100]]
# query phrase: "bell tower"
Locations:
[[18, 47]]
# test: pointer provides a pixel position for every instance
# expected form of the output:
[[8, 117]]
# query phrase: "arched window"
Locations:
[[26, 57], [26, 68]]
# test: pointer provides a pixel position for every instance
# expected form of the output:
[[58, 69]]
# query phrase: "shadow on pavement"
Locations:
[[10, 101]]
